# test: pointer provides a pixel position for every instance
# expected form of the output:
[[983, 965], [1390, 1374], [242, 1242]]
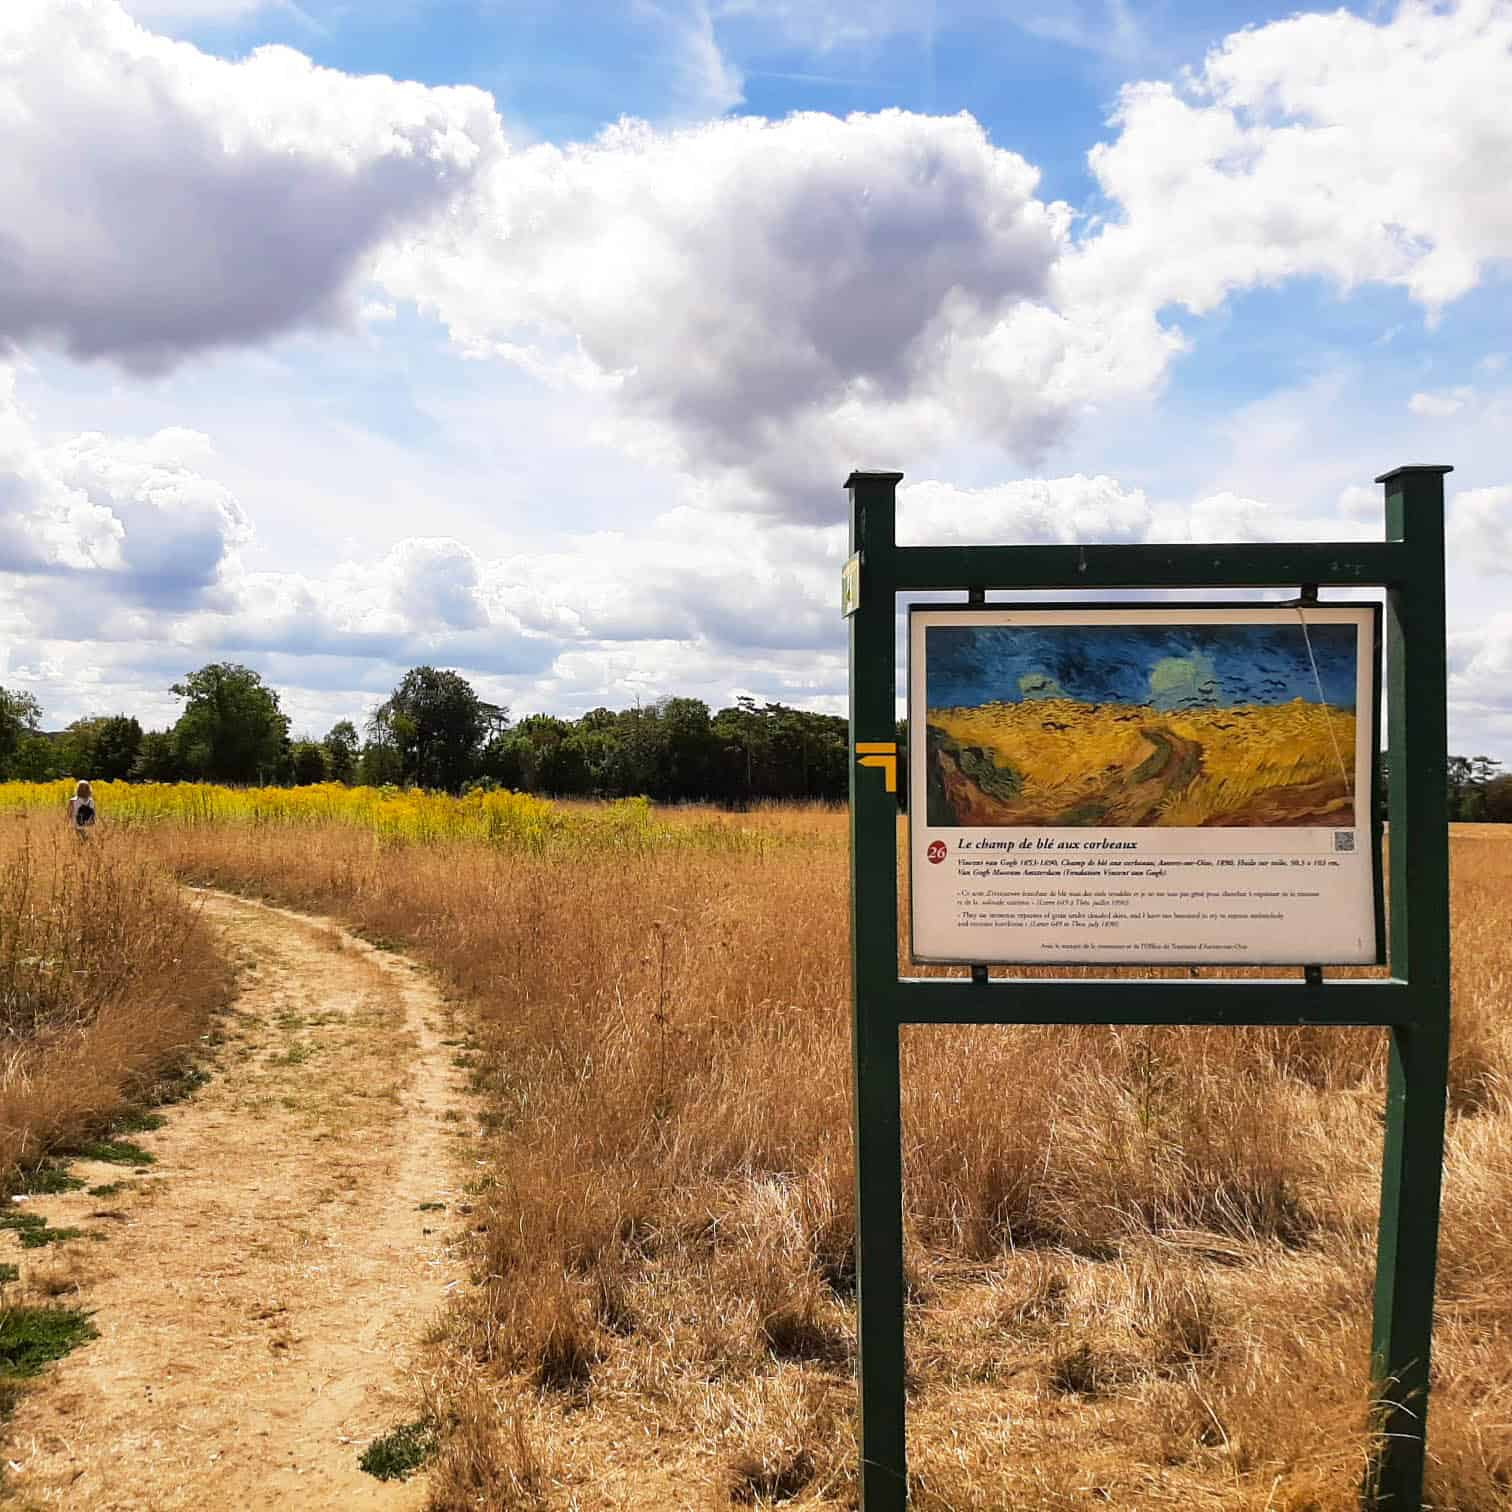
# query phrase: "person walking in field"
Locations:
[[81, 810]]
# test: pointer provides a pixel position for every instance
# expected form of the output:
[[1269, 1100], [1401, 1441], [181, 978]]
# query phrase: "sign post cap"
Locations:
[[1414, 467]]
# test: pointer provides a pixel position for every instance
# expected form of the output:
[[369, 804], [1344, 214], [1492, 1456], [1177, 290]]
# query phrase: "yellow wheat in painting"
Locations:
[[1062, 762]]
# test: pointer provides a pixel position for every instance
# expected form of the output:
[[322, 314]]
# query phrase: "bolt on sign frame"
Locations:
[[1413, 1002]]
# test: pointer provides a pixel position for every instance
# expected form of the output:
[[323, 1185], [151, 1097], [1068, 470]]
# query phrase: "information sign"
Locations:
[[1160, 737], [1146, 785]]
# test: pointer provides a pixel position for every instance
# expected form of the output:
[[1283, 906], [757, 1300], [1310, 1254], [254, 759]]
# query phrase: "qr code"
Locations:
[[1344, 840]]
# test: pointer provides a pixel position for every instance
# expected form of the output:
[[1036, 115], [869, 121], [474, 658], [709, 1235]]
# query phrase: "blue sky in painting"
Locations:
[[1168, 666]]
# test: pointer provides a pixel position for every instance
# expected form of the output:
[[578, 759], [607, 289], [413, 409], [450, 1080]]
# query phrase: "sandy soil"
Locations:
[[263, 1288]]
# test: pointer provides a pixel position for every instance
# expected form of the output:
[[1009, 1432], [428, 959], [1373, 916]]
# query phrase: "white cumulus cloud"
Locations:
[[1323, 145], [1480, 527], [156, 201], [1028, 512], [769, 300], [137, 514]]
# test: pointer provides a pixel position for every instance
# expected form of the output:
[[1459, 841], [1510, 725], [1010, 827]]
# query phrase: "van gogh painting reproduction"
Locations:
[[1109, 725]]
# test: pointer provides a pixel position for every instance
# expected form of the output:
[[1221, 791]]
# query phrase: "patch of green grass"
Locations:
[[430, 1207], [9, 1273], [109, 1189], [137, 1122], [114, 1152], [399, 1454], [35, 1238], [31, 1337], [32, 1230], [47, 1179], [295, 1055]]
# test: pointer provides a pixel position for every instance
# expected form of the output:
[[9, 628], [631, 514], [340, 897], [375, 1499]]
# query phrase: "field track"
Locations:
[[264, 1285]]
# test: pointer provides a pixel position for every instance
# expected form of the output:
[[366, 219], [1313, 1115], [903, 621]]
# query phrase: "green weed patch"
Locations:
[[47, 1180], [31, 1337], [33, 1232], [399, 1454], [137, 1122], [114, 1152]]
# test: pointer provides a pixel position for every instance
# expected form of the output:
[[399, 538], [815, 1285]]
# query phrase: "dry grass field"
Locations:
[[1139, 1260], [107, 980]]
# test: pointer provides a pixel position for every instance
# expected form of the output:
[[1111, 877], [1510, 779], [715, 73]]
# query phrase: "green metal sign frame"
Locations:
[[1412, 1002]]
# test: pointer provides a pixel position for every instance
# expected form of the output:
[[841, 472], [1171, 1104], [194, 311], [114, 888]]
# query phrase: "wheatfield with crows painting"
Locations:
[[1117, 725]]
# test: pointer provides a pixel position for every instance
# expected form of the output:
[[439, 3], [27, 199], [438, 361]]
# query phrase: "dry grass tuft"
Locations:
[[107, 983], [791, 1441], [489, 1458]]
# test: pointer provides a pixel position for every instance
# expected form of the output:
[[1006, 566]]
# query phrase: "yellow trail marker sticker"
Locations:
[[880, 753]]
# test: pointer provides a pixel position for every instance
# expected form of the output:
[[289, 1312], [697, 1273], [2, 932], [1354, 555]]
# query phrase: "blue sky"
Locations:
[[536, 339]]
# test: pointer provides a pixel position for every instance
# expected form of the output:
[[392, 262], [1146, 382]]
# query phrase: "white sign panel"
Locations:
[[1154, 786]]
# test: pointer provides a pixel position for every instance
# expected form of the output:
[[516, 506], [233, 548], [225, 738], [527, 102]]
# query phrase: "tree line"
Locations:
[[433, 731], [1479, 792]]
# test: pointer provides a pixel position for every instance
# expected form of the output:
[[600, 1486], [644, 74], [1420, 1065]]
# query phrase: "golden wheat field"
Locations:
[[1075, 762], [1139, 1259]]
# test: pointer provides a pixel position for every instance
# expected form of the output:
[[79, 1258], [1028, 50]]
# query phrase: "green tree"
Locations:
[[546, 757], [625, 752], [502, 761], [232, 729], [435, 722], [687, 748], [1499, 800], [38, 759], [103, 747], [20, 714], [380, 765], [341, 751], [773, 751], [157, 758], [1469, 777], [307, 760]]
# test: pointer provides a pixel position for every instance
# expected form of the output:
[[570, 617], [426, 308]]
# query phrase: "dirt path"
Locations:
[[264, 1285]]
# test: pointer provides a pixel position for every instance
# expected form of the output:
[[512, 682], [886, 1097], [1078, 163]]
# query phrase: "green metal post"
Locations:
[[1414, 1151], [874, 973]]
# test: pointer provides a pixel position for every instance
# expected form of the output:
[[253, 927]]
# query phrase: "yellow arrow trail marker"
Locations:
[[880, 753]]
